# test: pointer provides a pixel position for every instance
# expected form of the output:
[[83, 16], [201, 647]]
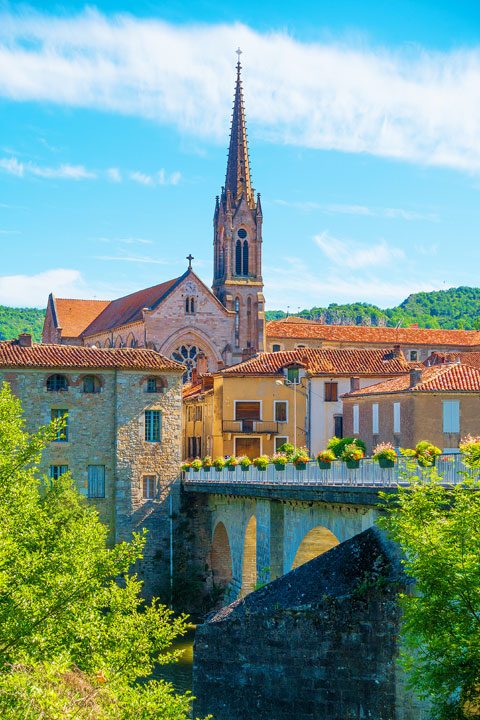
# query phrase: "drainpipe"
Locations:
[[309, 414], [171, 546]]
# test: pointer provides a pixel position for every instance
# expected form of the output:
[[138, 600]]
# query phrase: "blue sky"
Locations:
[[364, 128]]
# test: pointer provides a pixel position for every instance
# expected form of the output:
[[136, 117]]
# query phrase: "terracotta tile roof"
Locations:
[[75, 315], [370, 334], [324, 361], [13, 355], [440, 378], [128, 309], [471, 358], [191, 390]]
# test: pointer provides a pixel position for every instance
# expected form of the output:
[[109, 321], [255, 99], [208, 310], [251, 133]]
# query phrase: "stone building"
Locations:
[[440, 404], [415, 343], [121, 441], [293, 396], [182, 318]]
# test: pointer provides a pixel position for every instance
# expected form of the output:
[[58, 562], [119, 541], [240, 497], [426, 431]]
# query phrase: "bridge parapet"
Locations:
[[368, 474]]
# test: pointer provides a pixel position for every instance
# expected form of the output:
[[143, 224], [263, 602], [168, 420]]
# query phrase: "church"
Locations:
[[182, 318]]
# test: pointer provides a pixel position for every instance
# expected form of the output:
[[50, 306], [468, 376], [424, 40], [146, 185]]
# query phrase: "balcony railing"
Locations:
[[251, 426], [368, 474]]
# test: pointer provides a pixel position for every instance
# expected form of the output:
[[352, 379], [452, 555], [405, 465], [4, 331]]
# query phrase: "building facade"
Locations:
[[121, 441], [440, 404], [182, 318]]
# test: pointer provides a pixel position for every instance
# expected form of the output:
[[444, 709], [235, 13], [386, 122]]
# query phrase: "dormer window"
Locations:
[[57, 383], [293, 375]]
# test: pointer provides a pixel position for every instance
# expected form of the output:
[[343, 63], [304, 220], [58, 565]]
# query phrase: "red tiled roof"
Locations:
[[471, 358], [75, 315], [324, 361], [190, 390], [370, 334], [13, 355], [128, 309], [439, 378]]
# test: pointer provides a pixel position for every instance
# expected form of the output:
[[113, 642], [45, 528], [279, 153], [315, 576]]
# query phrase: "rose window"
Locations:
[[187, 355]]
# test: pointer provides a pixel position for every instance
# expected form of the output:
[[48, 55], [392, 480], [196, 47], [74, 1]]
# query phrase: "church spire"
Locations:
[[238, 180]]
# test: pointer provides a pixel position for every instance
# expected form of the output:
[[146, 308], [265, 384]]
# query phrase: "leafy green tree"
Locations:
[[438, 529], [76, 639]]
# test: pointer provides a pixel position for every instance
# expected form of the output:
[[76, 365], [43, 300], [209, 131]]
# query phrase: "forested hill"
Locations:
[[17, 320], [453, 308]]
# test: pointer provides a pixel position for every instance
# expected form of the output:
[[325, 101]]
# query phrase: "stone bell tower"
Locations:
[[237, 240]]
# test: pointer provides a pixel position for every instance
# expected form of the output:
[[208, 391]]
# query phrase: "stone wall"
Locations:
[[320, 642]]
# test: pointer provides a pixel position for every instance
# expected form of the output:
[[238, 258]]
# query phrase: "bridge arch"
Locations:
[[317, 541], [249, 561], [221, 557]]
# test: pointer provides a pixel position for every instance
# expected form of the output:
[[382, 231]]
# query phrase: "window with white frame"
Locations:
[[153, 425], [149, 487], [356, 419], [279, 441], [451, 416], [281, 410], [96, 481], [375, 418], [396, 417], [57, 471]]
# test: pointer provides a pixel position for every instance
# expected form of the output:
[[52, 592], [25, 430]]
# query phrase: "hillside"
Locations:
[[453, 308], [16, 320]]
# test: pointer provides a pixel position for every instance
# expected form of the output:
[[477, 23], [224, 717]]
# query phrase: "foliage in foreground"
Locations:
[[75, 636], [438, 529]]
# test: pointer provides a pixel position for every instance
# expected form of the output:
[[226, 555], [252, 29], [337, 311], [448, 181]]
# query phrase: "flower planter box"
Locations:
[[279, 466], [386, 463], [300, 466], [207, 469], [261, 469], [186, 470], [231, 468], [352, 464], [244, 469], [218, 469], [196, 469], [324, 465]]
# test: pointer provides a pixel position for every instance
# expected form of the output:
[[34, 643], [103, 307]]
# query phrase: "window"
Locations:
[[338, 426], [276, 348], [57, 383], [281, 410], [96, 481], [190, 413], [91, 384], [293, 375], [237, 321], [242, 233], [413, 355], [194, 448], [149, 483], [57, 471], [187, 355], [155, 385], [451, 416], [57, 414], [375, 418], [247, 410], [238, 258], [331, 391], [396, 417], [279, 441], [190, 305], [198, 412], [356, 419], [245, 257], [153, 425]]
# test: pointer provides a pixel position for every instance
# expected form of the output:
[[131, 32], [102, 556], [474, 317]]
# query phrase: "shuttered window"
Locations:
[[281, 410], [247, 410], [331, 392], [451, 416], [96, 481], [396, 417], [375, 418]]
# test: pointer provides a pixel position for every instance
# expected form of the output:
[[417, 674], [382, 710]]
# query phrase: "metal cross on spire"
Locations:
[[239, 52], [190, 258]]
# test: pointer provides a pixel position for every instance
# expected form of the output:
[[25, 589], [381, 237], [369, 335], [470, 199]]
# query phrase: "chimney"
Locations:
[[202, 365], [25, 340], [415, 377], [194, 376], [354, 384], [396, 351]]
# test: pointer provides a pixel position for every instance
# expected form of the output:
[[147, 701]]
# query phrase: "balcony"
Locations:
[[251, 426]]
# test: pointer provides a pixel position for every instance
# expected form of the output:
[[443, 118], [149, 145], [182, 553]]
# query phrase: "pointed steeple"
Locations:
[[238, 180]]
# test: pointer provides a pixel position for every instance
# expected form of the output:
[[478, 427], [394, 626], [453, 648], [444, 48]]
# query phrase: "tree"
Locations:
[[438, 529], [76, 639]]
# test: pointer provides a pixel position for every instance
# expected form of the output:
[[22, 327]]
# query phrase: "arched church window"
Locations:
[[189, 305], [192, 305], [187, 355], [237, 321], [245, 257], [238, 258]]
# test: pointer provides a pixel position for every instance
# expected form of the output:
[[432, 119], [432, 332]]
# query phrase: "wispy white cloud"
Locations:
[[114, 174], [158, 178], [132, 259], [33, 290], [355, 256], [362, 210], [10, 232], [126, 241], [413, 104], [13, 166]]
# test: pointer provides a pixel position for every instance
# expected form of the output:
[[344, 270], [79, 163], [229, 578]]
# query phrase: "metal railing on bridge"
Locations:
[[368, 474]]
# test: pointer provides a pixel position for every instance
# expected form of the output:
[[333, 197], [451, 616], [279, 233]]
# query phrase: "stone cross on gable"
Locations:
[[190, 258]]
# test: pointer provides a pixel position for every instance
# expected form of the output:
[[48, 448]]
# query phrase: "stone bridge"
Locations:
[[253, 527]]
